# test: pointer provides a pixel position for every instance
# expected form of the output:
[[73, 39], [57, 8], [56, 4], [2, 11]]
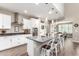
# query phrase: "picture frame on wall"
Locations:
[[16, 29], [42, 27]]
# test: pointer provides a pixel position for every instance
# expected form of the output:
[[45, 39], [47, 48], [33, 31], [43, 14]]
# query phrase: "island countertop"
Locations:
[[40, 39]]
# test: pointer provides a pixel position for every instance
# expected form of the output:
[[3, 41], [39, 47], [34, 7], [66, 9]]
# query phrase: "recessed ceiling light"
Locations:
[[56, 12], [50, 12], [52, 8], [25, 11]]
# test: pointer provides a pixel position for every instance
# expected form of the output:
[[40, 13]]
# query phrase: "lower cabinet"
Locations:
[[33, 47], [4, 43], [11, 41], [30, 47]]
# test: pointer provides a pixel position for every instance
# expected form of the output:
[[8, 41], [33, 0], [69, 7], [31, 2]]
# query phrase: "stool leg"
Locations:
[[56, 51]]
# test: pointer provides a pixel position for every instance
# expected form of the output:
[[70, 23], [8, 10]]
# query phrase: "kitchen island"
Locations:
[[34, 45]]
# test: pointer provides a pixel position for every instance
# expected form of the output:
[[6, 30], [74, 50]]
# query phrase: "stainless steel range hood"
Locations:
[[16, 19]]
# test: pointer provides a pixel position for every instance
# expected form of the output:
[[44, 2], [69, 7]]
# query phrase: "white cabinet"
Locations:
[[18, 40], [34, 47], [1, 21], [36, 23], [22, 40], [12, 41], [27, 24], [30, 47], [5, 21], [4, 43]]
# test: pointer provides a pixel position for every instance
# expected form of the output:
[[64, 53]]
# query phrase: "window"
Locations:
[[65, 28]]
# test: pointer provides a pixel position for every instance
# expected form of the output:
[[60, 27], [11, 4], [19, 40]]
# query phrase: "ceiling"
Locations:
[[71, 9], [40, 10]]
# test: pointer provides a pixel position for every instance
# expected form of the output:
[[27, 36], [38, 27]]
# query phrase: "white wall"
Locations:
[[72, 14]]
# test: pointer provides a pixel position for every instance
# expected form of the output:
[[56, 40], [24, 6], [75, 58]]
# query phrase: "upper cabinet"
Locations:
[[35, 22], [5, 21], [1, 21], [27, 24]]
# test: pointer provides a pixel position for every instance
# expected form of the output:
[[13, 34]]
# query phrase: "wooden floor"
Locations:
[[69, 49], [16, 51]]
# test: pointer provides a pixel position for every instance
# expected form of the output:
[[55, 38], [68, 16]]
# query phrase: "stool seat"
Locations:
[[46, 46]]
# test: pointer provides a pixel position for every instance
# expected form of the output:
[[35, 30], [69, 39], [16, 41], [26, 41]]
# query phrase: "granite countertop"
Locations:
[[11, 34], [40, 39]]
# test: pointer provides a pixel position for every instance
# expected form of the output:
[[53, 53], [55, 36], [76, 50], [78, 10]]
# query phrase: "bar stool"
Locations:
[[44, 49]]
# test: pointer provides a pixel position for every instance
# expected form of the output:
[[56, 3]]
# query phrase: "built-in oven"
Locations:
[[34, 31]]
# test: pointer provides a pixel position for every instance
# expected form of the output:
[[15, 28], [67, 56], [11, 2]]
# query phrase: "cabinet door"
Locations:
[[20, 40], [14, 41], [4, 43], [6, 22], [7, 42], [27, 24], [0, 21], [30, 45], [35, 23]]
